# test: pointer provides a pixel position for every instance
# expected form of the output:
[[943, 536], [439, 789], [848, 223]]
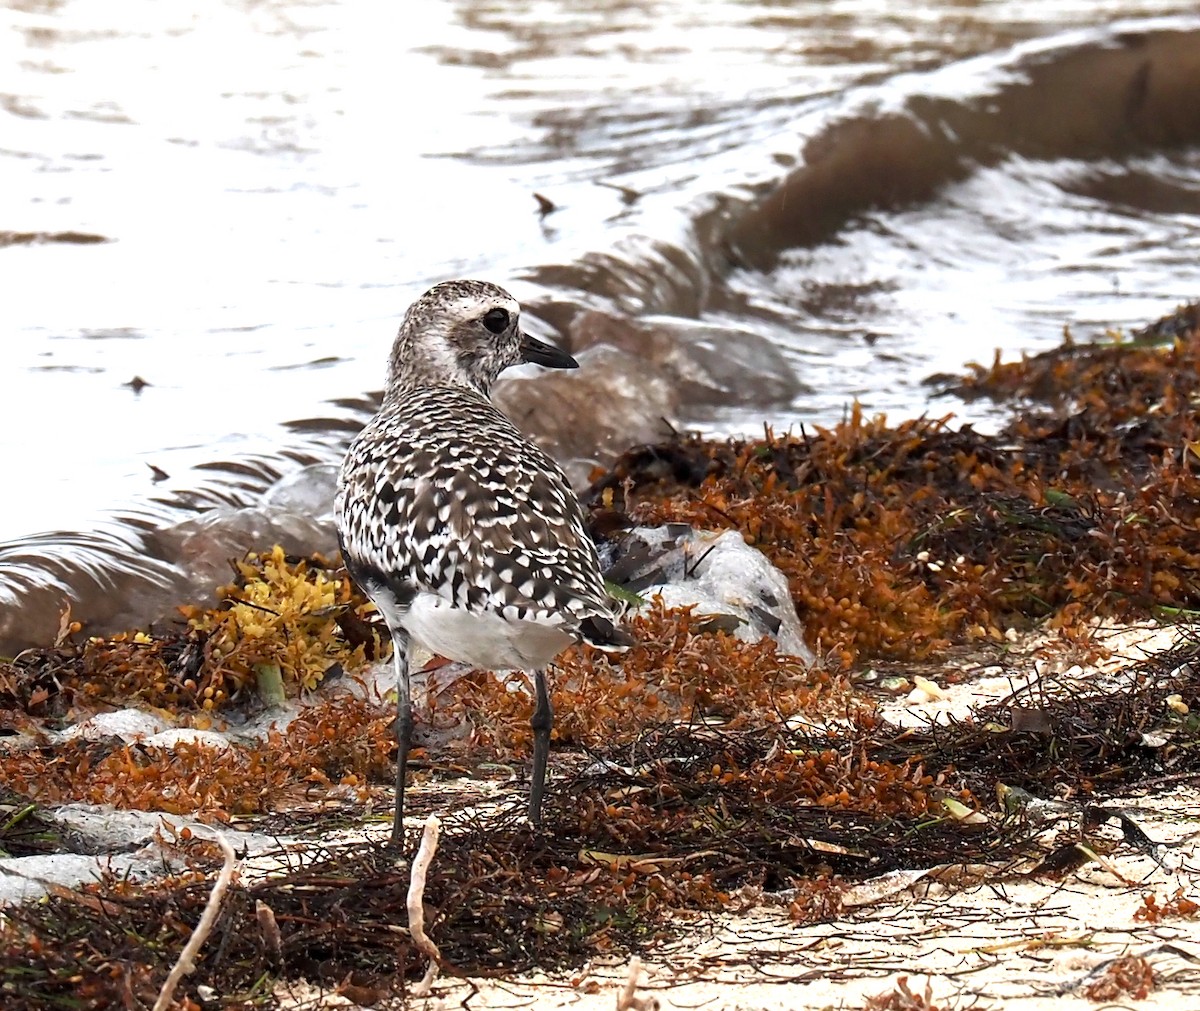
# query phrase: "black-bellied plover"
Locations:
[[467, 536]]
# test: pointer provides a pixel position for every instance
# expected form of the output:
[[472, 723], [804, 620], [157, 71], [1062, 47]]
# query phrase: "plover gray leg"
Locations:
[[404, 728], [541, 722]]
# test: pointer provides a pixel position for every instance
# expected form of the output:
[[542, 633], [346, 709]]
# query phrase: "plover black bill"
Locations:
[[467, 536]]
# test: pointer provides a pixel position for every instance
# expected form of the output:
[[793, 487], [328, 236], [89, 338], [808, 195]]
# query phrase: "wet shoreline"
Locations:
[[656, 312]]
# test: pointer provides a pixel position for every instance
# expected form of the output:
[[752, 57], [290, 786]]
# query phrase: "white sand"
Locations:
[[979, 937]]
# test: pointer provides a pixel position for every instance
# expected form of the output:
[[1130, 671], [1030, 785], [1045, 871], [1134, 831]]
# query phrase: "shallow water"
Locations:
[[236, 203]]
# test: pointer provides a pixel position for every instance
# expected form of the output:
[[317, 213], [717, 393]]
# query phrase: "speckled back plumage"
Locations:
[[441, 494]]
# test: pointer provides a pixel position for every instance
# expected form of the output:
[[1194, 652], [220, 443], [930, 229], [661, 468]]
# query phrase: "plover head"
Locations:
[[465, 333]]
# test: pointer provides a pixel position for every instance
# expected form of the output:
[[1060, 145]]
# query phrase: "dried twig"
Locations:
[[185, 964], [416, 903], [627, 998], [269, 931]]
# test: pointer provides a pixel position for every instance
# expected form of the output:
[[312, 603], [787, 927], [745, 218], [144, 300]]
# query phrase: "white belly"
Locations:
[[486, 640]]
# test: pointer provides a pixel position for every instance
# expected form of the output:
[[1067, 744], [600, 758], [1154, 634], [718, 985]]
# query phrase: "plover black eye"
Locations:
[[496, 320]]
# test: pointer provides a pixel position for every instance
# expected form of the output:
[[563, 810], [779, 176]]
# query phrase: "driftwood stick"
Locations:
[[416, 903], [627, 998], [186, 961]]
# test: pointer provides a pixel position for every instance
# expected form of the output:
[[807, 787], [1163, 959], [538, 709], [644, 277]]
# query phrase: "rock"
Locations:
[[169, 739], [99, 828], [719, 573], [590, 415], [111, 578], [127, 724], [707, 364], [305, 492], [23, 879], [203, 546], [136, 844]]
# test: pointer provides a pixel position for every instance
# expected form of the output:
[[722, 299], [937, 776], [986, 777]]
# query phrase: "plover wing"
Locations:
[[447, 505]]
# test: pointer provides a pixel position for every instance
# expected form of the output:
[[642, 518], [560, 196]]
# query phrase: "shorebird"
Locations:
[[467, 537]]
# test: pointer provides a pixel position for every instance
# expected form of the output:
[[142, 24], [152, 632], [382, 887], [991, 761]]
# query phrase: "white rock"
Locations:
[[187, 735], [103, 828], [134, 843], [107, 828], [720, 573], [127, 724], [26, 878]]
